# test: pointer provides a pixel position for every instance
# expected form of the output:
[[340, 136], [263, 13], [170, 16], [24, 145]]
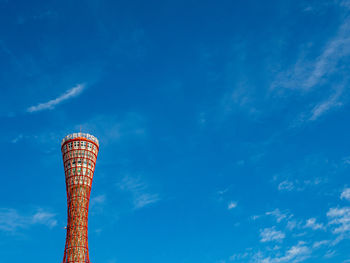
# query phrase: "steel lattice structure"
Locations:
[[79, 151]]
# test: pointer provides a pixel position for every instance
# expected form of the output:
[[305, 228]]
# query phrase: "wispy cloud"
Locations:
[[145, 199], [140, 192], [306, 74], [286, 185], [297, 253], [44, 218], [238, 256], [321, 243], [300, 184], [231, 205], [97, 204], [311, 223], [329, 103], [271, 234], [11, 220], [345, 194], [100, 199], [71, 93], [340, 218], [241, 98], [279, 216], [337, 228]]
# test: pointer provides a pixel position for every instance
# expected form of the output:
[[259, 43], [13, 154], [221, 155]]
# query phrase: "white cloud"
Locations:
[[327, 61], [329, 103], [142, 200], [338, 225], [240, 98], [239, 256], [224, 191], [278, 215], [11, 220], [271, 234], [307, 74], [321, 243], [73, 92], [297, 253], [345, 194], [286, 186], [100, 199], [255, 217], [139, 191], [299, 185], [311, 223], [44, 218], [291, 224], [340, 218], [276, 254], [232, 205], [330, 253]]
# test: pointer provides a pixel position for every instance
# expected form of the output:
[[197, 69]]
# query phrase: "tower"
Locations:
[[79, 152]]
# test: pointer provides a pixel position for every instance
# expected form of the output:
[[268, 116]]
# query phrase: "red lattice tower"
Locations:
[[79, 152]]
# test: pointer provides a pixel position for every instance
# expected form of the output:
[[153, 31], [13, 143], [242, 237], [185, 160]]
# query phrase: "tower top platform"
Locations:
[[80, 135]]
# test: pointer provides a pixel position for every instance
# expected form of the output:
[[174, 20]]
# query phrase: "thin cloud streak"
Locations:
[[307, 74], [323, 107], [71, 93], [271, 234], [279, 216], [297, 253], [139, 191], [340, 219], [311, 223], [100, 199], [11, 220]]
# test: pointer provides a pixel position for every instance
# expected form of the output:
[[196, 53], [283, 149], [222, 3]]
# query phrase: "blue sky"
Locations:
[[223, 128]]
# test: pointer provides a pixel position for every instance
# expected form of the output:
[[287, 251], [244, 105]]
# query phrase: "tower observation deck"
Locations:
[[79, 152]]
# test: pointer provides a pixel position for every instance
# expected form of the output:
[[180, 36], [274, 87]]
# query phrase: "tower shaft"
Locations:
[[79, 152]]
